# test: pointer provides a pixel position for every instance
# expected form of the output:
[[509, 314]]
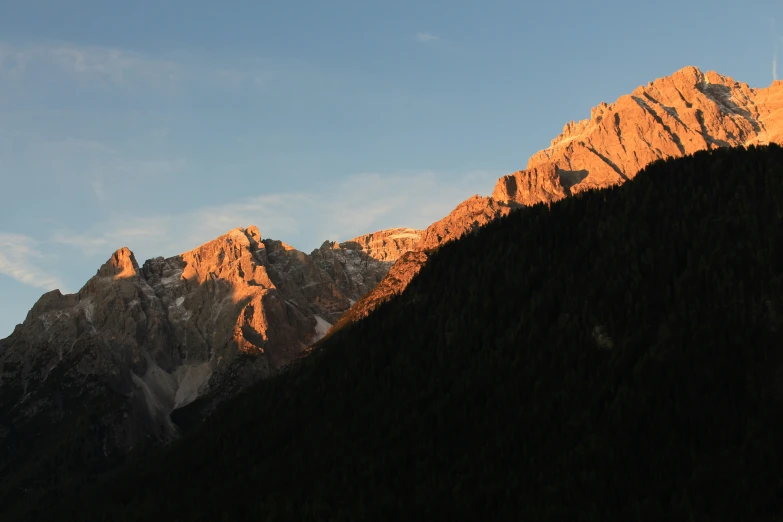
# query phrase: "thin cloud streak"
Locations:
[[19, 255], [426, 37], [123, 68], [113, 64], [77, 241], [105, 172]]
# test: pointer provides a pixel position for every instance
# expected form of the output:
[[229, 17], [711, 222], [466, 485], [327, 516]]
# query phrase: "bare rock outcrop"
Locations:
[[673, 116], [385, 245], [327, 281], [669, 117], [467, 217], [138, 344], [541, 184], [395, 281]]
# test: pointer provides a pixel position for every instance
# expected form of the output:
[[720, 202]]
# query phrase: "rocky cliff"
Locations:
[[385, 245], [139, 343], [542, 184], [468, 216], [669, 117], [394, 282]]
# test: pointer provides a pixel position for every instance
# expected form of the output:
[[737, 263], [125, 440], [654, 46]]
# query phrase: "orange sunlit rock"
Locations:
[[669, 117], [673, 116]]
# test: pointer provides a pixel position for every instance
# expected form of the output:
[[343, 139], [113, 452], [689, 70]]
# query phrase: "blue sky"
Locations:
[[158, 125]]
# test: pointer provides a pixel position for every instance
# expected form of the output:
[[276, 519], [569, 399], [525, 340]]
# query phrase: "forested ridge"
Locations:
[[615, 356]]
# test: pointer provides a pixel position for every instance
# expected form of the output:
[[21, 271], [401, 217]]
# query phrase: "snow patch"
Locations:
[[180, 300]]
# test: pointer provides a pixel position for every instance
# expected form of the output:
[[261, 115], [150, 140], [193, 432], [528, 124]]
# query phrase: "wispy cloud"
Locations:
[[359, 204], [107, 172], [426, 37], [96, 64], [112, 64], [20, 257], [78, 241], [123, 68]]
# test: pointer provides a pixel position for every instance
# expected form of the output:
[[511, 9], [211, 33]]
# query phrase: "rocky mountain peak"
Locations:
[[141, 343], [236, 257], [669, 117], [138, 343], [253, 234], [121, 265], [672, 116], [329, 245]]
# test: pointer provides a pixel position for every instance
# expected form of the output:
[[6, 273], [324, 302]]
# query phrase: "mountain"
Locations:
[[613, 356], [142, 353], [103, 371], [469, 215], [680, 114], [670, 117]]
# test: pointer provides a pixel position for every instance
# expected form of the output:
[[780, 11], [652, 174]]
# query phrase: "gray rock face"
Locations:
[[136, 344], [393, 283]]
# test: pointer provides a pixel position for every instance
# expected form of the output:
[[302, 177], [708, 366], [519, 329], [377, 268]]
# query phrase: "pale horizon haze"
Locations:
[[161, 125]]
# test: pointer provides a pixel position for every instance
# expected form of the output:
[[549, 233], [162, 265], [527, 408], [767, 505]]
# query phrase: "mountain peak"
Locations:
[[688, 74], [672, 116], [121, 265], [253, 233], [679, 114]]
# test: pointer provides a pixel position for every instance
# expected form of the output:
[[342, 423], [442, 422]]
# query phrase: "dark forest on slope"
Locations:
[[616, 356]]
